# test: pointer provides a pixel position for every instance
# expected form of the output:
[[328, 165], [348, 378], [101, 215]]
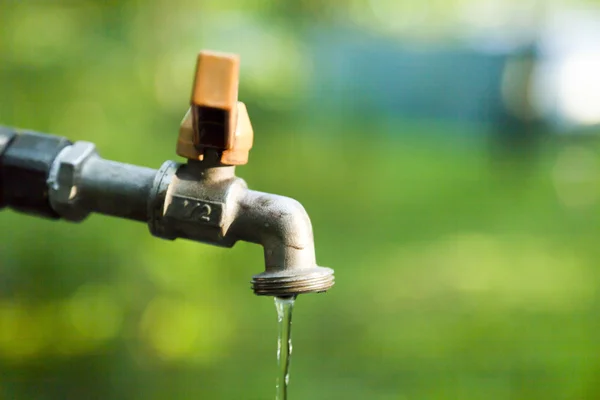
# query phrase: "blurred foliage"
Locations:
[[459, 276]]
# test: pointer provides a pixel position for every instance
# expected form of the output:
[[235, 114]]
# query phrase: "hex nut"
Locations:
[[63, 179]]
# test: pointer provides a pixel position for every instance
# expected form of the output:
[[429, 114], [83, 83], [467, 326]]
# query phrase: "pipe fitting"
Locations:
[[63, 181], [81, 182]]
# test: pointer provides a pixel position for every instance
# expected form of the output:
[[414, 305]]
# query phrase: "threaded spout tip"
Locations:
[[293, 282]]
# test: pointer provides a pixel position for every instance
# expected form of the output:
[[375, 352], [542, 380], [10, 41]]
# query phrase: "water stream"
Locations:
[[284, 308]]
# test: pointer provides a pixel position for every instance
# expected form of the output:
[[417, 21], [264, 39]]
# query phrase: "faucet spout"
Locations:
[[282, 226], [211, 205]]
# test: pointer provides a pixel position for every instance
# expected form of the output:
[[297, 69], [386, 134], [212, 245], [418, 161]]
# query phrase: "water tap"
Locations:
[[201, 199]]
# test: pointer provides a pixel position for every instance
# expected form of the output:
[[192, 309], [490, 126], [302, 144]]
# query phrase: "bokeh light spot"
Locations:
[[579, 86], [94, 313], [177, 329], [22, 336]]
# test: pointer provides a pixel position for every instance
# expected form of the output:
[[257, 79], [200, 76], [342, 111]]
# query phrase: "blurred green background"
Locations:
[[462, 272]]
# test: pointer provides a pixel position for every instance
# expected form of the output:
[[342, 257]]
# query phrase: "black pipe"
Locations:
[[6, 137], [25, 161]]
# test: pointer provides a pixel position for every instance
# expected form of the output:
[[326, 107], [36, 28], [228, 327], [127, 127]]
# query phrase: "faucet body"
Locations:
[[199, 200]]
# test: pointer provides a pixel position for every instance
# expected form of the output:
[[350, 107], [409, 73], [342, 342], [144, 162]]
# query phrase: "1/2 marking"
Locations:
[[202, 212]]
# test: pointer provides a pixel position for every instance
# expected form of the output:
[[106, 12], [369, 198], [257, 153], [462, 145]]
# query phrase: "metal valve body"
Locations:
[[200, 200]]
